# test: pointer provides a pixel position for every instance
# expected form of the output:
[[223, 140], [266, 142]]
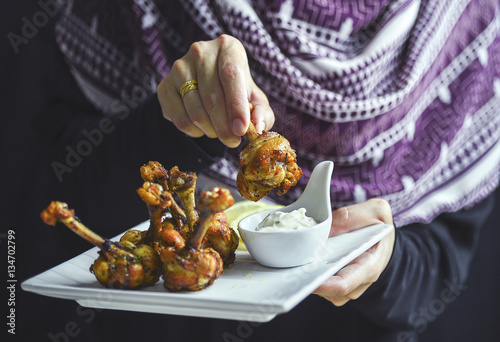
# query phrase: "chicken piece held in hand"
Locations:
[[267, 162]]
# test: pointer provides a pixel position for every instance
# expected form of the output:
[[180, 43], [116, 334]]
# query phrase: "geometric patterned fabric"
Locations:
[[402, 95]]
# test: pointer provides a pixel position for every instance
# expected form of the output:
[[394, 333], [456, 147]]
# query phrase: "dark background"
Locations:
[[39, 101]]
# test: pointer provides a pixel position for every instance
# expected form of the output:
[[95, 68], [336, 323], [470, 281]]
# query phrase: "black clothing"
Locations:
[[45, 121]]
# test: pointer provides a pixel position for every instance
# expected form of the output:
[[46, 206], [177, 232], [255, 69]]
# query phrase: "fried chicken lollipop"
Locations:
[[222, 238], [267, 162], [184, 185], [155, 193], [154, 172], [193, 267], [120, 264], [181, 183], [158, 201]]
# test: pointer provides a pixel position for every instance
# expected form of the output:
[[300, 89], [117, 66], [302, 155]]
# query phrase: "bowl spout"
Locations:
[[316, 195]]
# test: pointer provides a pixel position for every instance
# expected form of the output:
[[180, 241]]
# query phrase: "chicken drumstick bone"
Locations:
[[120, 264], [192, 267]]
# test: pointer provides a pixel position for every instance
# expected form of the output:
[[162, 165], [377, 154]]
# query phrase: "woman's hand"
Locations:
[[219, 107], [353, 280]]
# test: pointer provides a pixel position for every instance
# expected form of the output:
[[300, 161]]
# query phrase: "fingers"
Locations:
[[203, 105], [171, 102], [262, 114], [355, 278], [206, 56], [352, 280], [219, 107], [353, 217], [341, 298], [234, 76], [196, 112]]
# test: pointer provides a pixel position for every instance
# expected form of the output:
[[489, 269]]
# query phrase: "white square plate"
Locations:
[[246, 291]]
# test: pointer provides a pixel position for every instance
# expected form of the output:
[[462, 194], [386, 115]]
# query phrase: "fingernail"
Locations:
[[232, 143], [261, 126], [238, 126]]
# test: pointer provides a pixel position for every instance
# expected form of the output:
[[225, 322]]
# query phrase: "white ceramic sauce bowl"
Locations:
[[298, 247]]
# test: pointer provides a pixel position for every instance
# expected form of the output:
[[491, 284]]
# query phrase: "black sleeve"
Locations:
[[132, 137], [427, 271]]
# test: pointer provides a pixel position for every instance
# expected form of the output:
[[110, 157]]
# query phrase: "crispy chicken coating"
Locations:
[[222, 238], [154, 172], [184, 185], [193, 267], [267, 162], [187, 259], [120, 264]]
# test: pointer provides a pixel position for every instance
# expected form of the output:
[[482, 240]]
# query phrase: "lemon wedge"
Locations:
[[242, 209]]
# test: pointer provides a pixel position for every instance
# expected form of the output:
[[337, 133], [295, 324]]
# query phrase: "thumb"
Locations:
[[262, 113], [357, 216]]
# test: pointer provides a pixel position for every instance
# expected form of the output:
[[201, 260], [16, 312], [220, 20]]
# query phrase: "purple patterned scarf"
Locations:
[[402, 95]]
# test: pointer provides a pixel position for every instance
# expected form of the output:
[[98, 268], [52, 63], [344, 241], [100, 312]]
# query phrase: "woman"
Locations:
[[387, 90], [401, 95]]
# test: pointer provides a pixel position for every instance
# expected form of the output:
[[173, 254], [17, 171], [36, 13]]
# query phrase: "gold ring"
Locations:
[[188, 86]]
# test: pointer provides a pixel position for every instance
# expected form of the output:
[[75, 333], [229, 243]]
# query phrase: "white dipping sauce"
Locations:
[[281, 221]]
